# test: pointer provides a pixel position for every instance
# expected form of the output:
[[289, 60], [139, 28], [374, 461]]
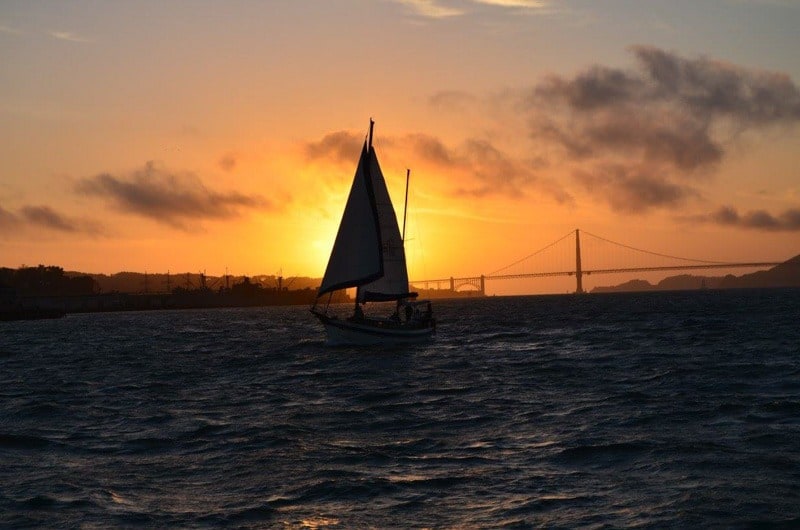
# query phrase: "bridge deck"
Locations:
[[471, 279]]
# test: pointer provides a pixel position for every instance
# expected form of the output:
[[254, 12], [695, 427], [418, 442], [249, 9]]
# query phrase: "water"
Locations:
[[653, 410]]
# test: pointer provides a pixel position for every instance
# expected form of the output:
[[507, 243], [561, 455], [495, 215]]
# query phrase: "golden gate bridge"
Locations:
[[478, 283]]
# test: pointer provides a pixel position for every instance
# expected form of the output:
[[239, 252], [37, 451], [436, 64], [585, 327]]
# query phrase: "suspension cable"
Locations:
[[652, 253], [531, 255]]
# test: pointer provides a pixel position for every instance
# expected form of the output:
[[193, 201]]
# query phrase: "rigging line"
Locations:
[[531, 255], [653, 253]]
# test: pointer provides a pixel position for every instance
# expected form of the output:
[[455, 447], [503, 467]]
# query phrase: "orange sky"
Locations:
[[191, 136]]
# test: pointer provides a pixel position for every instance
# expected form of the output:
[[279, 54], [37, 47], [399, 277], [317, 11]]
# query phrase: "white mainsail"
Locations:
[[356, 256]]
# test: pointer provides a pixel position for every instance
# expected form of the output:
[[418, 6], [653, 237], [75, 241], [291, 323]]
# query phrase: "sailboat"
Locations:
[[369, 254]]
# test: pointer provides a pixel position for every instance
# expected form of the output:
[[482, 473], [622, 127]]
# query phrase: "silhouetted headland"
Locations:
[[787, 274]]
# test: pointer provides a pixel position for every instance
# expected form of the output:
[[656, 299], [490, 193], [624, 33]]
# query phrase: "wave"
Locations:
[[244, 516], [778, 523], [146, 444], [603, 453], [21, 441], [48, 502], [346, 489]]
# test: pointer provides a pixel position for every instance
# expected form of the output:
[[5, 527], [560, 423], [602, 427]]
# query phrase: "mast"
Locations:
[[369, 148], [578, 270], [405, 205], [371, 125]]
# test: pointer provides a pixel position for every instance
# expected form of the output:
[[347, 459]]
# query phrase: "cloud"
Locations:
[[719, 89], [228, 162], [431, 8], [788, 221], [169, 198], [668, 140], [7, 219], [433, 150], [662, 125], [45, 217], [630, 190], [67, 36], [340, 146], [48, 218], [495, 171], [527, 4], [488, 169], [438, 10], [704, 88]]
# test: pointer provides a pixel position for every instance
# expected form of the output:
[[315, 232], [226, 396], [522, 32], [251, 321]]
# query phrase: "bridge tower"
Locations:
[[578, 271]]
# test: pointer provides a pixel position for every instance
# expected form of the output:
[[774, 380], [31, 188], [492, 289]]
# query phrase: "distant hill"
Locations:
[[787, 274]]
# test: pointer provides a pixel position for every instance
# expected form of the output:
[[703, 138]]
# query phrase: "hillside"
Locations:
[[787, 274]]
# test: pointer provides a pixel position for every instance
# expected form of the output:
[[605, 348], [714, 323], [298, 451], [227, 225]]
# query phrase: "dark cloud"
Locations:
[[8, 220], [340, 146], [596, 88], [432, 149], [228, 162], [495, 171], [631, 191], [698, 89], [669, 115], [169, 198], [713, 89], [788, 221], [47, 217]]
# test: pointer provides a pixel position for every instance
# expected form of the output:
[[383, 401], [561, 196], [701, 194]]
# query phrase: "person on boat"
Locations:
[[409, 312]]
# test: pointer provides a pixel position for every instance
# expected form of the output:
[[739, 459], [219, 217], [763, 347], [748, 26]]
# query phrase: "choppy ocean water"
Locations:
[[651, 410]]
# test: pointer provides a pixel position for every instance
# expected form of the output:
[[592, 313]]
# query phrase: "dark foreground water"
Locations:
[[653, 410]]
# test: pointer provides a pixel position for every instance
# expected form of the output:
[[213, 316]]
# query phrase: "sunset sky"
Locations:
[[210, 136]]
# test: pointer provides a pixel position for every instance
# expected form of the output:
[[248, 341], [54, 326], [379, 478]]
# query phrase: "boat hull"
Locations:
[[345, 332]]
